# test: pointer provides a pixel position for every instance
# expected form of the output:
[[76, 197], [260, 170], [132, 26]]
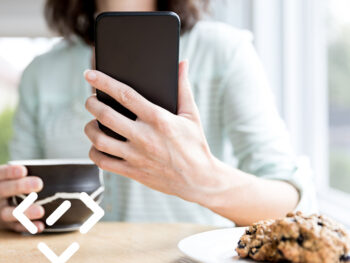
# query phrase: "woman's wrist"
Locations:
[[221, 180], [245, 198]]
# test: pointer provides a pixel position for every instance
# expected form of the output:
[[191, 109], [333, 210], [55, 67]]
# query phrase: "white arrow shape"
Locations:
[[63, 258], [98, 213], [18, 213], [58, 213]]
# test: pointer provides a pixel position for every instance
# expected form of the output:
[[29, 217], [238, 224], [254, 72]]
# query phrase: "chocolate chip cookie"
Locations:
[[297, 239]]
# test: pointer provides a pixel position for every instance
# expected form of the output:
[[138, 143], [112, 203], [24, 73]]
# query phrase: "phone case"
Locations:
[[140, 49]]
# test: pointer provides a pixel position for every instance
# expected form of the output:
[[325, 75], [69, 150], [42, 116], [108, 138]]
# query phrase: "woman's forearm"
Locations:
[[245, 198]]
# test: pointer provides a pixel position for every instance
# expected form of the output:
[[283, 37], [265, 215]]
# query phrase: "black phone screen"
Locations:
[[140, 49]]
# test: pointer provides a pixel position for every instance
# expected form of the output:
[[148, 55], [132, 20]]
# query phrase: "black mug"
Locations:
[[64, 179]]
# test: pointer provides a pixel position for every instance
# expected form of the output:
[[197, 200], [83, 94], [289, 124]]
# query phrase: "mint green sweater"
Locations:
[[236, 105]]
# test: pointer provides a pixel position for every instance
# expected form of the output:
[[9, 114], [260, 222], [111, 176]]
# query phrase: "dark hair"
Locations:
[[77, 17]]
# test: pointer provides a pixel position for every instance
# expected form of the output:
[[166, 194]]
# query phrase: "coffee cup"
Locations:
[[64, 179]]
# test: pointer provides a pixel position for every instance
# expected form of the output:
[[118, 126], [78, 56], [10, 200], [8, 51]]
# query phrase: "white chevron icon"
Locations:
[[96, 216], [98, 213], [18, 213], [63, 258]]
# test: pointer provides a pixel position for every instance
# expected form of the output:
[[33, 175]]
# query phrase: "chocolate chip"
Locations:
[[241, 244], [345, 258], [250, 231], [300, 240], [320, 223], [253, 251]]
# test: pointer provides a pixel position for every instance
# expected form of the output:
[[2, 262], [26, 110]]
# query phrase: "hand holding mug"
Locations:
[[14, 181]]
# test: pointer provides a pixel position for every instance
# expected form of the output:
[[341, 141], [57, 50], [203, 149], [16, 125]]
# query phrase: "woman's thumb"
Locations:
[[186, 103]]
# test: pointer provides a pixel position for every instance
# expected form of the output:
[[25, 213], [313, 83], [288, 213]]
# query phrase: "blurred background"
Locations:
[[304, 45]]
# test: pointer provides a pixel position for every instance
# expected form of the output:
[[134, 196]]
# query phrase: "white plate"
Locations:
[[213, 246]]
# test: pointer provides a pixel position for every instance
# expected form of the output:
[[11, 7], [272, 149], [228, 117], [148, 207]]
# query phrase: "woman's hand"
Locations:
[[166, 152], [169, 153], [14, 181]]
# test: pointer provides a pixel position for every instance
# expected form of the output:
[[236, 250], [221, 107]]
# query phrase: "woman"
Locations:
[[176, 171]]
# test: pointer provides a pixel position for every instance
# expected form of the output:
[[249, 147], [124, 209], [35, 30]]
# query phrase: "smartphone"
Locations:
[[140, 49]]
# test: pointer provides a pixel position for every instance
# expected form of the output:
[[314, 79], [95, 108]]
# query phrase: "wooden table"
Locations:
[[106, 242]]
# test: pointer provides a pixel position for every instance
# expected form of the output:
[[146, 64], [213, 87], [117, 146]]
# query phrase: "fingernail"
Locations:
[[90, 74], [37, 184], [20, 171], [40, 227], [40, 211]]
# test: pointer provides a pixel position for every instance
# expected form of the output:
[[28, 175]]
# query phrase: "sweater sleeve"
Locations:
[[259, 137]]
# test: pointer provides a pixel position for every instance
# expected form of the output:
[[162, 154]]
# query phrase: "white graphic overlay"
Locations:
[[58, 213], [63, 258], [98, 213], [18, 213]]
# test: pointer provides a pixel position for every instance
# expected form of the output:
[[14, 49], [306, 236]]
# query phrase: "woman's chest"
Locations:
[[62, 130], [62, 114]]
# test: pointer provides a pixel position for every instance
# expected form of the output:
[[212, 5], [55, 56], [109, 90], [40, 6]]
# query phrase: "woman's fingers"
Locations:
[[122, 93], [105, 143], [10, 172], [24, 185], [107, 163], [18, 227], [186, 104], [34, 212], [13, 181], [110, 118]]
